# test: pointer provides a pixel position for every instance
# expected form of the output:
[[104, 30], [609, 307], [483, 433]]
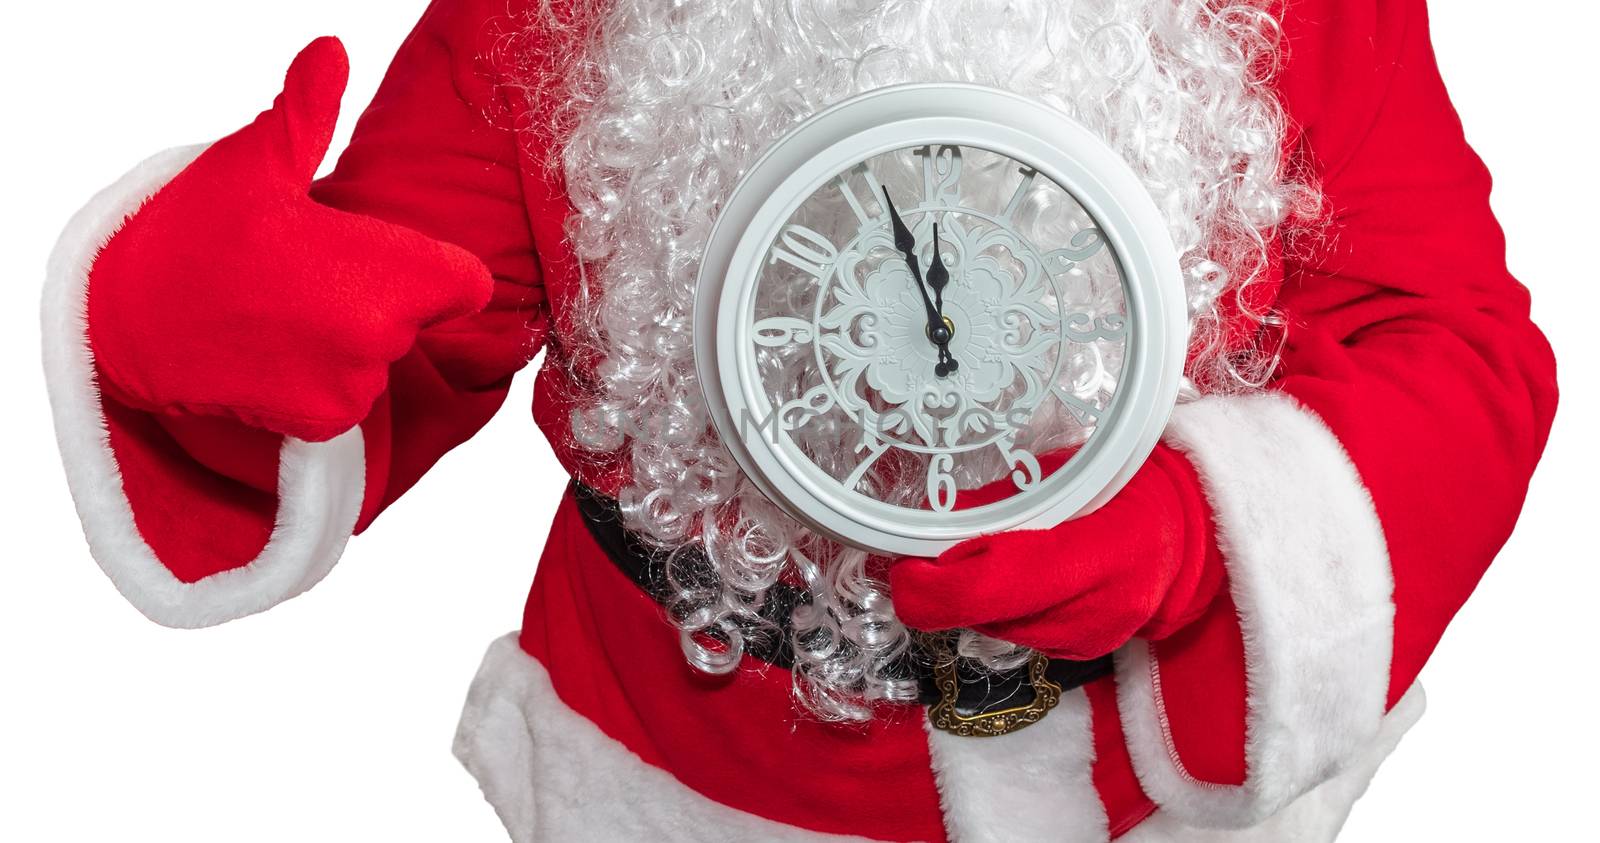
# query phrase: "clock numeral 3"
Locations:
[[1084, 327]]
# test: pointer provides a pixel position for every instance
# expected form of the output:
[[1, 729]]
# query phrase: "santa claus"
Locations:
[[247, 366]]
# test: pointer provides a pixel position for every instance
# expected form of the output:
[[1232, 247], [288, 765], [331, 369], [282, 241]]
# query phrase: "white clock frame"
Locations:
[[904, 116]]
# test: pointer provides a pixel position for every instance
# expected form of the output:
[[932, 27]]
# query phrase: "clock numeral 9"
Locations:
[[806, 250], [775, 331]]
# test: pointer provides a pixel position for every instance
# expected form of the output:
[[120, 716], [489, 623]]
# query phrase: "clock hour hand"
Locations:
[[938, 331], [938, 279]]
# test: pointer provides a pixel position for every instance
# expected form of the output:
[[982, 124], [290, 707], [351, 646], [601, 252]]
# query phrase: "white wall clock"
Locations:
[[936, 311]]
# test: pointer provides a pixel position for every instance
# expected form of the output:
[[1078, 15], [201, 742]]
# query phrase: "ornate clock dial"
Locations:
[[986, 353], [913, 330]]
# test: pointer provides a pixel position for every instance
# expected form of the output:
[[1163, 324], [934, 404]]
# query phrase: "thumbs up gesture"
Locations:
[[232, 293]]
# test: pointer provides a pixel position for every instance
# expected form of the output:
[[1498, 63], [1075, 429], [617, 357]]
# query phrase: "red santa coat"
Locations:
[[1357, 500]]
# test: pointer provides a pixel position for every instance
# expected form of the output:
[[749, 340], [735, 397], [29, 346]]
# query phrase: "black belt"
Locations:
[[957, 686]]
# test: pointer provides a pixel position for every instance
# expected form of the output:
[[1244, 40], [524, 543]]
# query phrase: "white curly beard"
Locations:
[[667, 104]]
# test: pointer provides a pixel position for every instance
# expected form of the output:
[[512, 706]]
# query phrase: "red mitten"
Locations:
[[1144, 564], [232, 293]]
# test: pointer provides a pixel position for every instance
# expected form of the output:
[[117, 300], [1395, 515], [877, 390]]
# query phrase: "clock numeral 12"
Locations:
[[941, 174]]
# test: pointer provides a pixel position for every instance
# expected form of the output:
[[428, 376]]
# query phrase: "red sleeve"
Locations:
[[201, 519], [1361, 498], [435, 152]]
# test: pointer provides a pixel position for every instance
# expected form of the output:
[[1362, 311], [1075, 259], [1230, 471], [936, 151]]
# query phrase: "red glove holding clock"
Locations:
[[233, 293], [1144, 564]]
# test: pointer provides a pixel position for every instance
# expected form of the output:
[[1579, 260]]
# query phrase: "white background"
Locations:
[[330, 717]]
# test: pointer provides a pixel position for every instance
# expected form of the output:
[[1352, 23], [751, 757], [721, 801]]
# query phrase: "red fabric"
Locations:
[[197, 521], [1146, 563], [317, 313], [1407, 336], [232, 293], [437, 152], [737, 739], [1205, 695], [1125, 803], [424, 156]]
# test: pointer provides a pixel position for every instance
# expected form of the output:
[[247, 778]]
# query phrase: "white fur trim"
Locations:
[[1033, 784], [552, 775], [1313, 818], [320, 485], [1309, 572]]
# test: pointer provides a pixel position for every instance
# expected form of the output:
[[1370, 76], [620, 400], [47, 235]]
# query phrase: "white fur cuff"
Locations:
[[552, 775], [1316, 817], [1033, 784], [320, 485], [1309, 572]]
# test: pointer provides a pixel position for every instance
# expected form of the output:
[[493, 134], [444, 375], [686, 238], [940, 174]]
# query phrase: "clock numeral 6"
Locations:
[[941, 484]]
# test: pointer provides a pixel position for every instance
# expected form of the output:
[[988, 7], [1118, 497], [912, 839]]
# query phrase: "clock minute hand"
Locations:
[[938, 331], [938, 276], [907, 244]]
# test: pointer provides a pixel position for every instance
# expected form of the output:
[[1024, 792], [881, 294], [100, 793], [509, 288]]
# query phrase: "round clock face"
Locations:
[[938, 311]]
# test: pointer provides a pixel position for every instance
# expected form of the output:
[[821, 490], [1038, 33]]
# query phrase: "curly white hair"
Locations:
[[663, 106]]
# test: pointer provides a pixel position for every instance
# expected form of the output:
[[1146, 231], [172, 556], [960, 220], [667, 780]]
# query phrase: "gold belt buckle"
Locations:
[[946, 717]]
